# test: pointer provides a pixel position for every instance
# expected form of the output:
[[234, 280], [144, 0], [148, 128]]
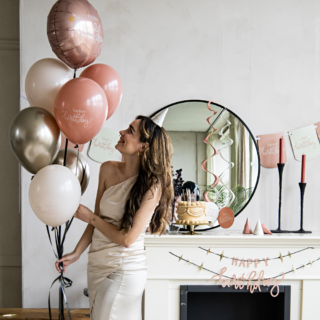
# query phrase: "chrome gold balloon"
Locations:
[[81, 171], [35, 138]]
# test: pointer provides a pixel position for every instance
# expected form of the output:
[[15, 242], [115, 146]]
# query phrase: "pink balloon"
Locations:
[[75, 32], [109, 81], [80, 109]]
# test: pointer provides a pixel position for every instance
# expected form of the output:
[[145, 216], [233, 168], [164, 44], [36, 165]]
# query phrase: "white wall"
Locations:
[[259, 58]]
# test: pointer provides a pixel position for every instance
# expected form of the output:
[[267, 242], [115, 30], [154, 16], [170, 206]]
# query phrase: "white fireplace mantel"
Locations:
[[234, 239], [166, 273]]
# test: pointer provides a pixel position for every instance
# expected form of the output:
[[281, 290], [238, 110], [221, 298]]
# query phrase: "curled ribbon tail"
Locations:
[[231, 164], [215, 152]]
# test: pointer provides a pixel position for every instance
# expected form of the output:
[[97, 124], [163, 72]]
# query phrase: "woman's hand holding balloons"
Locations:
[[67, 260], [83, 213]]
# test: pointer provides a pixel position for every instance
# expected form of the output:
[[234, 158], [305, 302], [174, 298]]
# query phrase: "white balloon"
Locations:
[[44, 80], [54, 194]]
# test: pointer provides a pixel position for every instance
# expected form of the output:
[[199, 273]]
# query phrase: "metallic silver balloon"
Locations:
[[82, 171], [35, 138]]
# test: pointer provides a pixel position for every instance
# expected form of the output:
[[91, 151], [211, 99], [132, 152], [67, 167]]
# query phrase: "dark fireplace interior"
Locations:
[[217, 303]]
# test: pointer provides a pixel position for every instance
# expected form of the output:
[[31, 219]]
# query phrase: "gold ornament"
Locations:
[[180, 257], [208, 250], [294, 269], [201, 267], [281, 257], [310, 262], [221, 255], [289, 254]]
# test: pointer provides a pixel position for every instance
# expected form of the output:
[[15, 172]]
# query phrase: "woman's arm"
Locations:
[[86, 238], [140, 220]]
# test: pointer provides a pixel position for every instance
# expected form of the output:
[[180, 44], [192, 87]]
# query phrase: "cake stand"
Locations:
[[192, 232]]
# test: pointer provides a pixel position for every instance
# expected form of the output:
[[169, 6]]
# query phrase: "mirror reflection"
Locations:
[[237, 161]]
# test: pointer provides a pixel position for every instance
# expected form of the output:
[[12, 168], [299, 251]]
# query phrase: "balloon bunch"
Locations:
[[63, 107]]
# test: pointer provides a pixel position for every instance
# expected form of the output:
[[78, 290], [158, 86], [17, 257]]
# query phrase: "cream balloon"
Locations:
[[44, 80], [54, 195]]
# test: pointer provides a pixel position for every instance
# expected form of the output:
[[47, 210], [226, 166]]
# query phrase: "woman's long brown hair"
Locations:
[[155, 170]]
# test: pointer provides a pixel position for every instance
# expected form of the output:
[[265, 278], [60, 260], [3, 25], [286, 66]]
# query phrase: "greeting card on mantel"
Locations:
[[102, 147], [269, 149], [305, 141]]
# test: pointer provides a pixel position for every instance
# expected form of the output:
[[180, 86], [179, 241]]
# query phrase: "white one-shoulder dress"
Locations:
[[116, 275]]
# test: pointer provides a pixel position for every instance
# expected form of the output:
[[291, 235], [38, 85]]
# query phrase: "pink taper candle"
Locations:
[[303, 168], [281, 150]]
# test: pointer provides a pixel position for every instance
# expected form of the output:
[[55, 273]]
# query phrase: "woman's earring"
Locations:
[[138, 154]]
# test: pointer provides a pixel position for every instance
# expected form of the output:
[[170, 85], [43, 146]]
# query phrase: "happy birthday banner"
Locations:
[[253, 281], [304, 140]]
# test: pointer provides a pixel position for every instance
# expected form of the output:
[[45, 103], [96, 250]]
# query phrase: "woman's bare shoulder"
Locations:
[[111, 166], [109, 172]]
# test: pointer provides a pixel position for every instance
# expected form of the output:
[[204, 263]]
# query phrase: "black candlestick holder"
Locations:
[[280, 169], [302, 186]]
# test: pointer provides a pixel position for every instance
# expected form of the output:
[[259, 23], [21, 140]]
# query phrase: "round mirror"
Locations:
[[197, 128]]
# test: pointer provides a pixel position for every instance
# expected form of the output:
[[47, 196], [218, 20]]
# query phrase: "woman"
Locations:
[[131, 195]]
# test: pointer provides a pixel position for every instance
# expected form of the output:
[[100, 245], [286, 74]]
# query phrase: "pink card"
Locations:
[[269, 149], [226, 217]]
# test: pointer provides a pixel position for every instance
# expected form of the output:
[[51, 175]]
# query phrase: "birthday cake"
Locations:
[[191, 212]]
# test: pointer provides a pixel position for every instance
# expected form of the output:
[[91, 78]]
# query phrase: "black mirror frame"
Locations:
[[252, 136]]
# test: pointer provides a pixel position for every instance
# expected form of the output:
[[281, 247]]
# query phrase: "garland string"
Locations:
[[227, 277], [287, 255]]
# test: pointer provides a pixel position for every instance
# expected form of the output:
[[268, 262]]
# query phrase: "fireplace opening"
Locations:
[[213, 302]]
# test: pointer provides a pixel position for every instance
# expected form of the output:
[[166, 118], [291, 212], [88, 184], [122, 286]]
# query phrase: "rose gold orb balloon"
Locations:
[[75, 32]]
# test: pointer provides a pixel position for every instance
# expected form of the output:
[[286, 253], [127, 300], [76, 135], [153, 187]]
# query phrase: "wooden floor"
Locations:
[[30, 314]]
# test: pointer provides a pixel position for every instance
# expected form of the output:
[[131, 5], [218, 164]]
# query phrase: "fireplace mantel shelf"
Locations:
[[235, 239]]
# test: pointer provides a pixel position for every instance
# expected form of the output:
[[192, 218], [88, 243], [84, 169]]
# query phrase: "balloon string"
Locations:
[[215, 152], [63, 281], [65, 152], [85, 166], [77, 162]]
